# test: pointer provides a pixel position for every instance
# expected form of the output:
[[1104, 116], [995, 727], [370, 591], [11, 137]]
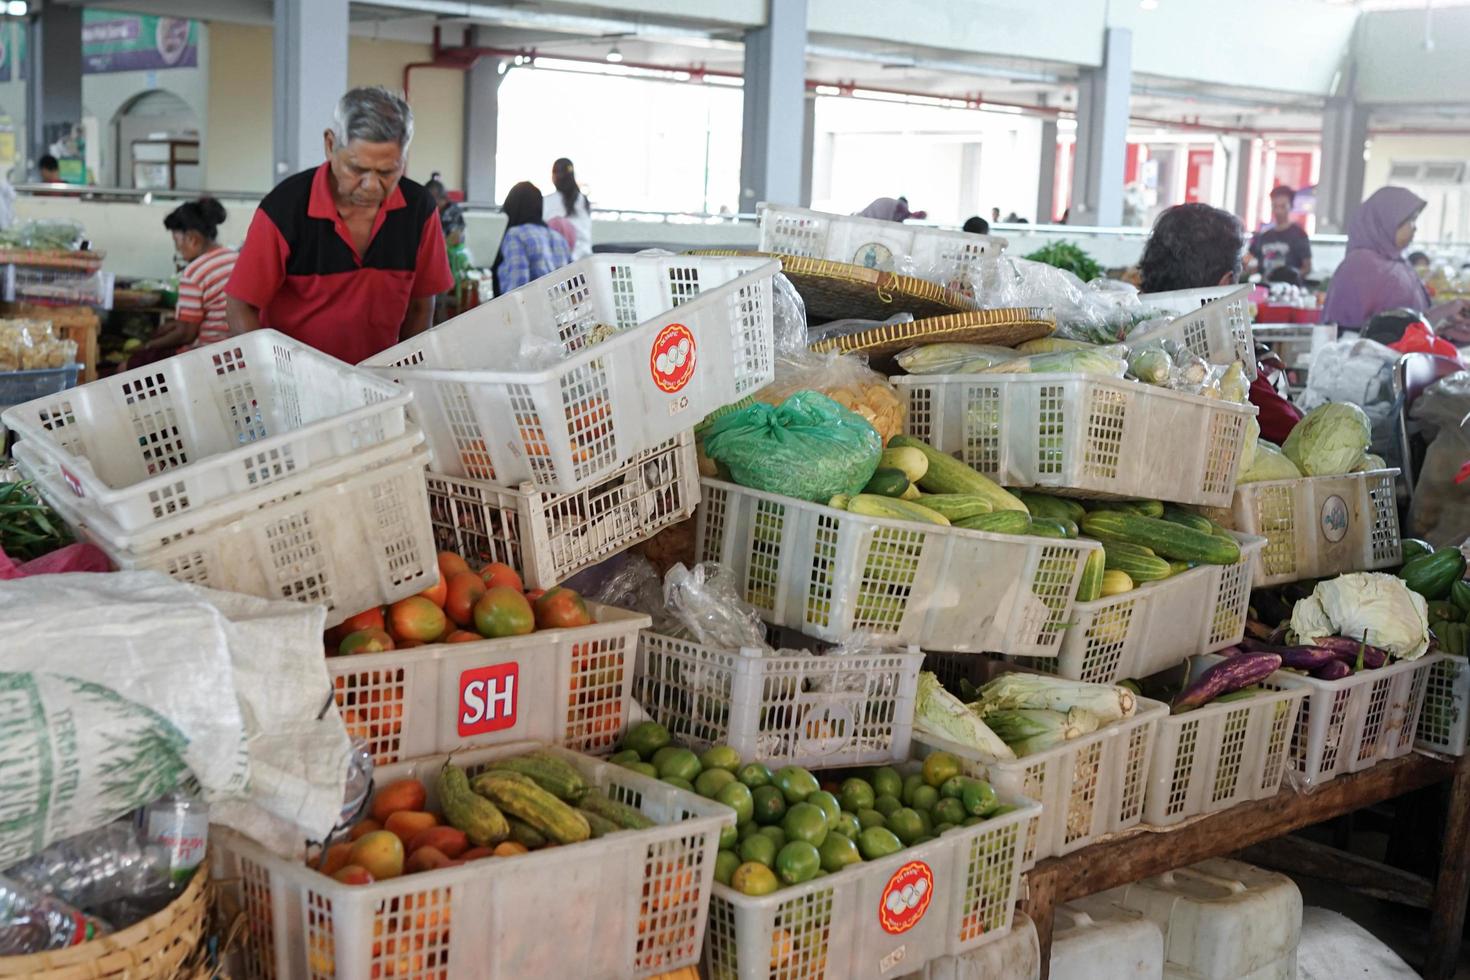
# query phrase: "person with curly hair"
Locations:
[[1192, 246]]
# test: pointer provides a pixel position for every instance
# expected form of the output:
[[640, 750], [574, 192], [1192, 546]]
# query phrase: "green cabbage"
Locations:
[[1373, 607], [1330, 441], [1269, 463]]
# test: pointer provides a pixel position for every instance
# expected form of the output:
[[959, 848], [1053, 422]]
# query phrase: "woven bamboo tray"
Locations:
[[1002, 328], [167, 945], [841, 290]]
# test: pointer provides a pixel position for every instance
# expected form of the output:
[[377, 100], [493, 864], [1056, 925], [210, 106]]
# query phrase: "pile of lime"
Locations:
[[791, 827]]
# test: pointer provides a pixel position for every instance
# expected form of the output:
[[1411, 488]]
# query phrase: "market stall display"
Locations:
[[1213, 323]]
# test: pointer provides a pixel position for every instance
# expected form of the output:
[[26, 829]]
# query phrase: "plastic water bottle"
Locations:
[[32, 921], [96, 867], [179, 823]]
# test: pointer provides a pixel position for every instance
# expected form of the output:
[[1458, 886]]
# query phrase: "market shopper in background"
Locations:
[[1375, 276], [199, 318], [347, 257], [566, 209], [49, 168], [891, 209], [529, 249], [1284, 243], [1194, 246], [976, 225]]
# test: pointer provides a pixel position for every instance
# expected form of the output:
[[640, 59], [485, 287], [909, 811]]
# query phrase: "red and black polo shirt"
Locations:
[[299, 268]]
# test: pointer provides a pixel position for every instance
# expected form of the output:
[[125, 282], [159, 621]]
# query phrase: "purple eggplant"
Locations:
[[1347, 649], [1295, 658], [1333, 670], [1226, 676]]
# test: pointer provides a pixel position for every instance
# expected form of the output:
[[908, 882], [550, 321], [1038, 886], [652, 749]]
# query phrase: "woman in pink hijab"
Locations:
[[1375, 276]]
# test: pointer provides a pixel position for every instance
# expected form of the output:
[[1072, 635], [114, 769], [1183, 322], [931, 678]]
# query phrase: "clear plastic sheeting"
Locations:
[[788, 316], [1440, 512], [1100, 312], [706, 601]]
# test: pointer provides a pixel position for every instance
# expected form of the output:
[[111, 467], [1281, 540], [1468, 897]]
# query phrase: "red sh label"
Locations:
[[487, 699]]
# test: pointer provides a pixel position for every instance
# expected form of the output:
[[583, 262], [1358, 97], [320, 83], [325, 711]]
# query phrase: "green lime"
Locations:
[[754, 878], [758, 848], [709, 782], [678, 781], [624, 757], [924, 798], [754, 774], [725, 864], [972, 821], [747, 829], [855, 795], [952, 787], [679, 762], [734, 795], [828, 804], [720, 757], [729, 837], [876, 842], [662, 753], [871, 818], [922, 839], [906, 825], [911, 784], [646, 738], [837, 853], [980, 799], [798, 861], [848, 825], [796, 783], [886, 804], [774, 833], [940, 828], [806, 821], [926, 821], [770, 805], [949, 811], [642, 767], [887, 782], [940, 766]]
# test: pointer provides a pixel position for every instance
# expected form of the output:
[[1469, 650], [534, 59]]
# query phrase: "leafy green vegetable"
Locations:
[[28, 528], [1330, 440], [1065, 255], [939, 713]]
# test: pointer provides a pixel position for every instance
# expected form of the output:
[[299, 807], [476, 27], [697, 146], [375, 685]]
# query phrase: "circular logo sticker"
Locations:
[[1334, 518], [873, 255], [906, 897], [672, 359]]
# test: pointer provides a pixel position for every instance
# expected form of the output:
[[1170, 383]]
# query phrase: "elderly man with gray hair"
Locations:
[[349, 256]]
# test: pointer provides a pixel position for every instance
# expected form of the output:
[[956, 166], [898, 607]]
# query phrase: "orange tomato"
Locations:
[[364, 827], [408, 824], [337, 856], [446, 840], [365, 641], [366, 620], [463, 636], [500, 574], [436, 592], [404, 794], [503, 611], [561, 609], [463, 591], [416, 618], [451, 565]]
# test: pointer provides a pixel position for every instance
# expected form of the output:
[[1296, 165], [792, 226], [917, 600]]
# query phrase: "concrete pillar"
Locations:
[[54, 79], [771, 155], [1236, 165], [1102, 132], [481, 126], [1046, 174], [310, 76], [808, 147], [1344, 139]]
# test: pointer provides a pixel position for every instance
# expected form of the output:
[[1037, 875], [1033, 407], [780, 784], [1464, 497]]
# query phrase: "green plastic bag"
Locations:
[[808, 447]]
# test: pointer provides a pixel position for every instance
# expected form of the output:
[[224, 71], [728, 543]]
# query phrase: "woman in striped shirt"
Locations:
[[199, 318]]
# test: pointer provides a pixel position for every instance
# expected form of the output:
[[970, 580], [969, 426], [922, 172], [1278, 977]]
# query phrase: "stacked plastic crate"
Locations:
[[1092, 437]]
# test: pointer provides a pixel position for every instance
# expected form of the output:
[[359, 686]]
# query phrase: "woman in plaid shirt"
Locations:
[[529, 249]]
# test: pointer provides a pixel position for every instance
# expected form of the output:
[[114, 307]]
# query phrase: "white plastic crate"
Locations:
[[806, 710], [150, 444], [935, 254], [632, 904], [358, 542], [642, 348], [1350, 724], [1083, 435], [1158, 624], [1214, 323], [1443, 720], [1225, 753], [830, 573], [1014, 956], [878, 918], [550, 537], [1092, 939], [569, 687], [1221, 920], [1090, 786], [1318, 527]]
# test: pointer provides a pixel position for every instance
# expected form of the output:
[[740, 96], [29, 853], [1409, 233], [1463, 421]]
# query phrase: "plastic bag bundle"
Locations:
[[1440, 512], [788, 316], [808, 447], [706, 601], [1359, 372], [844, 378], [1097, 313]]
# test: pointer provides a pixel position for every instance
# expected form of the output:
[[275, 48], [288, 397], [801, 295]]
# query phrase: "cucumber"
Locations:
[[1048, 527], [1091, 585], [1138, 567], [1143, 508], [956, 506], [1433, 575], [948, 475], [1116, 582], [909, 461], [887, 483], [872, 505], [1199, 522], [1043, 505], [999, 522], [1167, 540]]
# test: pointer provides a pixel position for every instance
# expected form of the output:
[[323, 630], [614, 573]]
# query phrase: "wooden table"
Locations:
[[1144, 853]]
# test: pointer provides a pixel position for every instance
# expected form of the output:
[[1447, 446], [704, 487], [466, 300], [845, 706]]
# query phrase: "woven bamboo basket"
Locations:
[[1001, 328], [841, 290], [168, 945]]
